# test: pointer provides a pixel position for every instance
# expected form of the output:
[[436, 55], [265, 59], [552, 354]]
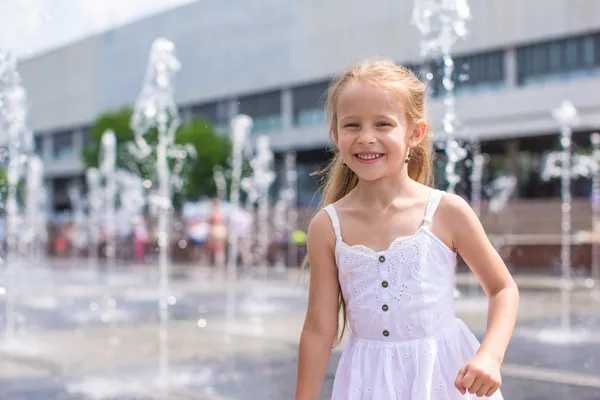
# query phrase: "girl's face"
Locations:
[[371, 131]]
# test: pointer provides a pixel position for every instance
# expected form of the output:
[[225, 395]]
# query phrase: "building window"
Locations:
[[559, 59], [474, 72], [38, 145], [265, 110], [63, 145], [309, 104], [215, 112]]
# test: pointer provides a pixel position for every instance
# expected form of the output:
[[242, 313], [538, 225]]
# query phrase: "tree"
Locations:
[[211, 147]]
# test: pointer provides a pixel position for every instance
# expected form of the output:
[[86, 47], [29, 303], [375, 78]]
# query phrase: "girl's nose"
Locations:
[[366, 136]]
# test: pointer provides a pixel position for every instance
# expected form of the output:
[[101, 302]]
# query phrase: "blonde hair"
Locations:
[[339, 178]]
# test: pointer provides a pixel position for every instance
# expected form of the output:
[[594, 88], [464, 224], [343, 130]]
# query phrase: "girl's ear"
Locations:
[[419, 130]]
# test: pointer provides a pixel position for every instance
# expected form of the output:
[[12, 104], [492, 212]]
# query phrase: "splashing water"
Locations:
[[441, 24], [285, 214], [132, 198], [220, 182], [94, 202], [501, 189], [241, 125], [478, 162], [79, 222], [155, 107], [19, 141], [566, 116], [257, 187], [36, 214]]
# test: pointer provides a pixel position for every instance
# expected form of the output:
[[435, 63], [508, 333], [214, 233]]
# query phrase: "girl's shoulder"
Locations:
[[321, 228], [453, 210]]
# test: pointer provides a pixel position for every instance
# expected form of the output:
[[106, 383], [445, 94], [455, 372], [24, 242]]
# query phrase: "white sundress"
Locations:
[[405, 341]]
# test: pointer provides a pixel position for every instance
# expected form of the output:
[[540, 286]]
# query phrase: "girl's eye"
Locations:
[[350, 125], [384, 124]]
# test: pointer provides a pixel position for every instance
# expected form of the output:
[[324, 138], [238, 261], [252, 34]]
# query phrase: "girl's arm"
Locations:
[[471, 242], [320, 326]]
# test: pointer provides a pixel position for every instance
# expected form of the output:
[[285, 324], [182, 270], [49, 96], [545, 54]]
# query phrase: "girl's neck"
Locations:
[[381, 193]]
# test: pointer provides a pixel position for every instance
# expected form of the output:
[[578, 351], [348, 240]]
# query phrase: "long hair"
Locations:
[[338, 177]]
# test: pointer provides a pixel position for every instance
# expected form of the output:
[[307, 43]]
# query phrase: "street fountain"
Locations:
[[107, 167], [566, 167], [442, 24], [241, 125], [155, 108], [131, 195], [155, 111], [291, 196], [220, 182], [257, 187], [94, 205], [19, 141], [36, 213], [477, 163], [79, 220], [284, 212], [500, 191]]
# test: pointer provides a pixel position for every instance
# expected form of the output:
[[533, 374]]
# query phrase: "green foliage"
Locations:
[[4, 189], [211, 148]]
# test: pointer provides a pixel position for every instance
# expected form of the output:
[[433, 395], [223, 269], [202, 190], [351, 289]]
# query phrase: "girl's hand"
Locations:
[[481, 375]]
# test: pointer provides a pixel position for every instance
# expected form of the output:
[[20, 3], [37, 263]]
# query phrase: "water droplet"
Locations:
[[589, 283], [172, 300], [2, 291], [202, 323]]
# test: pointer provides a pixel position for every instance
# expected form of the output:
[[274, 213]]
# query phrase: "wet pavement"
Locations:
[[237, 340]]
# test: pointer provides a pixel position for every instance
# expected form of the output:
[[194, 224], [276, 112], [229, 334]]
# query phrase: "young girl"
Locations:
[[382, 253]]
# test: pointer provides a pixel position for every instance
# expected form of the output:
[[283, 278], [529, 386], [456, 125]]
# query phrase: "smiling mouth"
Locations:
[[368, 158]]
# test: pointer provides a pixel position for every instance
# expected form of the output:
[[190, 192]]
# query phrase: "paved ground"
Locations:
[[238, 341]]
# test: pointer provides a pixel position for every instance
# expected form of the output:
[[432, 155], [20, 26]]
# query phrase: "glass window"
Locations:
[[558, 59], [216, 112], [571, 54], [38, 145], [309, 104], [472, 72], [265, 109], [588, 51], [63, 145]]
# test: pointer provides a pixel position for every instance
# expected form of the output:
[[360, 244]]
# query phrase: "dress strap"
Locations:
[[335, 221], [432, 205]]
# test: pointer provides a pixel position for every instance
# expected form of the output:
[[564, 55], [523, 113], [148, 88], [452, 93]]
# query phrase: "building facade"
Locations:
[[273, 60]]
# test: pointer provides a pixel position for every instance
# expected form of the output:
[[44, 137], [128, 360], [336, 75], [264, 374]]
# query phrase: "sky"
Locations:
[[28, 27]]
